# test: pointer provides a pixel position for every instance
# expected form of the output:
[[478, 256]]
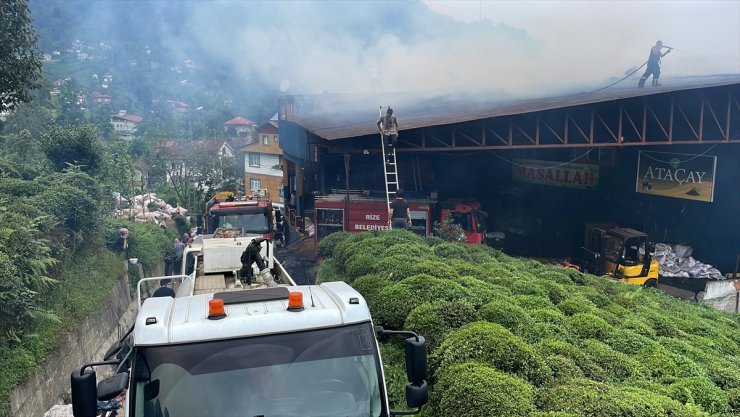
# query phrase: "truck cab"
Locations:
[[226, 216], [469, 216], [220, 347]]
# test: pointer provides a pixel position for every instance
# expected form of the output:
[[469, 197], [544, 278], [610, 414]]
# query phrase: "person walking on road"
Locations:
[[653, 64], [399, 212]]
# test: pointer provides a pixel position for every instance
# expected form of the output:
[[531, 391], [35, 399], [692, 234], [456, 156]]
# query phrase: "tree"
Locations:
[[20, 63], [448, 230], [73, 145]]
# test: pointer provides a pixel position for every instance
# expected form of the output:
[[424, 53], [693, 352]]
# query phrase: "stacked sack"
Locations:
[[676, 261]]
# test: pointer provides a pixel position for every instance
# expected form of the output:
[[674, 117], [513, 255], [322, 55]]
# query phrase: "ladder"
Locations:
[[390, 169]]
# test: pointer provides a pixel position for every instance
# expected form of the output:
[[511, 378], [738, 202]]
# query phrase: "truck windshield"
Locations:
[[326, 372], [253, 221]]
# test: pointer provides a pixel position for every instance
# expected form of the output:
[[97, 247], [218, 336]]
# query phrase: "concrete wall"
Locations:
[[89, 343]]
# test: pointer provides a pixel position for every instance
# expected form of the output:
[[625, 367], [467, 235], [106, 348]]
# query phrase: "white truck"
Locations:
[[223, 347]]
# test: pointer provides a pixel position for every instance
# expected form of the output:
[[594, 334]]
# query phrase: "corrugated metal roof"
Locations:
[[331, 116]]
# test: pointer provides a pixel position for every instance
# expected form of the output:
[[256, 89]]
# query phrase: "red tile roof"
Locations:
[[129, 117], [239, 121]]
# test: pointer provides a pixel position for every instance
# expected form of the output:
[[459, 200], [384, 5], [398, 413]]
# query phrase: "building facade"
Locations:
[[263, 162], [125, 124]]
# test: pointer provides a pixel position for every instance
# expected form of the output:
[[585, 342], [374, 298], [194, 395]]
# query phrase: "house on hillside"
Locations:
[[178, 108], [240, 127], [125, 124], [100, 98], [263, 160]]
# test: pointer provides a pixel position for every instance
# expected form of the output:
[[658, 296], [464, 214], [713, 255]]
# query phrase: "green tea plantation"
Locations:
[[514, 337]]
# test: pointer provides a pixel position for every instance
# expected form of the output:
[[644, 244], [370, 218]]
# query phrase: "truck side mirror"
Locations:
[[417, 394], [416, 359], [84, 393], [111, 387]]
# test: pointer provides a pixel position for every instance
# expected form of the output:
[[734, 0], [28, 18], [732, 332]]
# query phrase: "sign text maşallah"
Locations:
[[557, 174], [676, 175]]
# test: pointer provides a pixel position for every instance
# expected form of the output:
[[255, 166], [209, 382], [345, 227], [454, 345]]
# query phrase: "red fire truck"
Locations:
[[226, 216], [364, 213], [466, 213]]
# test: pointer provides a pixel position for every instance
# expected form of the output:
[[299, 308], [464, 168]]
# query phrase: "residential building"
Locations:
[[125, 124], [100, 98], [263, 162], [240, 127]]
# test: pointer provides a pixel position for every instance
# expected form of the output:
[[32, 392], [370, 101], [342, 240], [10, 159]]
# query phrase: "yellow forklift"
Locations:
[[621, 253]]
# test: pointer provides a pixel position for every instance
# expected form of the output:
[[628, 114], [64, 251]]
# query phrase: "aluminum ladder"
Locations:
[[390, 169]]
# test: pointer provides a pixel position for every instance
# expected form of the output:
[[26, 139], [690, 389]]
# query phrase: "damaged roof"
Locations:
[[343, 116]]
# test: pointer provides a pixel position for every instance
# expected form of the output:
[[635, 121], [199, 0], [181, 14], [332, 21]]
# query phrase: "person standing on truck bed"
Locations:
[[399, 212], [164, 289]]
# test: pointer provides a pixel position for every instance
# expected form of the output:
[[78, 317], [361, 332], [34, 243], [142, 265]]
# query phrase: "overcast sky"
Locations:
[[612, 36]]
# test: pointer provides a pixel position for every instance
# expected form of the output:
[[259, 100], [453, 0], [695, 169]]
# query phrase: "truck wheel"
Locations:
[[651, 283]]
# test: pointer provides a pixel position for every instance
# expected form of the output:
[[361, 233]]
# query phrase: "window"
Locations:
[[254, 160], [265, 140], [274, 137], [254, 184]]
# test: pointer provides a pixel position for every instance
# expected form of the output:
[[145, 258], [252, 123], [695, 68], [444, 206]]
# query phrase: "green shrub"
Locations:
[[555, 276], [505, 313], [638, 325], [370, 286], [472, 389], [556, 292], [588, 398], [627, 341], [452, 251], [542, 330], [701, 391], [359, 264], [396, 301], [396, 266], [329, 243], [327, 272], [531, 302], [392, 354], [733, 400], [722, 372], [492, 345], [368, 244], [665, 366], [548, 315], [558, 346], [479, 292], [468, 269], [435, 320], [417, 251], [577, 303], [563, 369], [588, 325], [618, 366], [528, 287], [483, 253]]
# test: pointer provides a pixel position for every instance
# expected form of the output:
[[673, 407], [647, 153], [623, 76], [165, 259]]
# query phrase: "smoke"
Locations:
[[517, 50]]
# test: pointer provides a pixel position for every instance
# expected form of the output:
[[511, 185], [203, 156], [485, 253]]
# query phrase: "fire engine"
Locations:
[[225, 215], [365, 211]]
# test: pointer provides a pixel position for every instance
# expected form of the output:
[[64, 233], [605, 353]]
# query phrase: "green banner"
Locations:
[[558, 174], [676, 175]]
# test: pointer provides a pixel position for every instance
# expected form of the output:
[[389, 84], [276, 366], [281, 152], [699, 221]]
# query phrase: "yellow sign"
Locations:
[[559, 174], [676, 175]]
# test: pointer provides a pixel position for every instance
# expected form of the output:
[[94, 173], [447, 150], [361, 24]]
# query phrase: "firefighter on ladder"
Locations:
[[388, 127]]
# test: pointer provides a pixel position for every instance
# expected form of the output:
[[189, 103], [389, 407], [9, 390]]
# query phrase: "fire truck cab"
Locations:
[[225, 216], [468, 215]]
